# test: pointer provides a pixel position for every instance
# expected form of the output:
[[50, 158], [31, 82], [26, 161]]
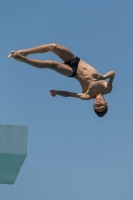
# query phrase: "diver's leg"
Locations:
[[53, 65], [61, 51], [64, 53]]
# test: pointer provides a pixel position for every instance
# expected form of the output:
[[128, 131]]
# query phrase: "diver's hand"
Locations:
[[53, 93], [98, 77]]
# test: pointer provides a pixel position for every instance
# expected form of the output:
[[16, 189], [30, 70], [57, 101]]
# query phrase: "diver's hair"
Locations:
[[101, 114]]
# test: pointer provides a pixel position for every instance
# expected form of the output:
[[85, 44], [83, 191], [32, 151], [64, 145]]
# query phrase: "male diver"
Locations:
[[92, 83]]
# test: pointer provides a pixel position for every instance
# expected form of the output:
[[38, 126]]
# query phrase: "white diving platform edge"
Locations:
[[13, 151]]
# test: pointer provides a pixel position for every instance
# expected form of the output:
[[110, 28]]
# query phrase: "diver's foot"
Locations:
[[16, 56], [10, 54], [20, 52]]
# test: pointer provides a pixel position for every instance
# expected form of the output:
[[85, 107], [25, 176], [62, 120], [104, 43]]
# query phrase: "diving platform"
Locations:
[[13, 151]]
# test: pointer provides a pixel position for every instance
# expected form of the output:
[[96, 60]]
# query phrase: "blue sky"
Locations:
[[72, 154]]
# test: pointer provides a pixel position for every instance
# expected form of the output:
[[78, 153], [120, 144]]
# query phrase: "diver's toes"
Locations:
[[11, 54]]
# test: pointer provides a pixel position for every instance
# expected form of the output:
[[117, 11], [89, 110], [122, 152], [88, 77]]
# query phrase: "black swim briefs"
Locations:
[[74, 65]]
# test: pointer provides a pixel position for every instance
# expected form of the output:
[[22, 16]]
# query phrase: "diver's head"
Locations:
[[100, 105]]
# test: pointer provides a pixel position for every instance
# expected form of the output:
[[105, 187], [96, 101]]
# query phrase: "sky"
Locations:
[[71, 153]]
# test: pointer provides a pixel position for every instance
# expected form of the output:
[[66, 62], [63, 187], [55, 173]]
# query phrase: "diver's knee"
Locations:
[[53, 46]]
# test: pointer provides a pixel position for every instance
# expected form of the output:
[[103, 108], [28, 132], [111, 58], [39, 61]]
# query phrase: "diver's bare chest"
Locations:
[[96, 87]]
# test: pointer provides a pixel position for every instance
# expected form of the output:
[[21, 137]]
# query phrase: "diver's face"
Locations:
[[100, 104]]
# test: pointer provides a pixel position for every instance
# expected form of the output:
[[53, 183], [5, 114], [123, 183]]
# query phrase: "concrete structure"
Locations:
[[13, 151]]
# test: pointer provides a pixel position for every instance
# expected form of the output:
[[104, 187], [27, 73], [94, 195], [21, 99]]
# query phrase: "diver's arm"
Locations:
[[109, 86], [109, 75], [99, 77], [82, 96]]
